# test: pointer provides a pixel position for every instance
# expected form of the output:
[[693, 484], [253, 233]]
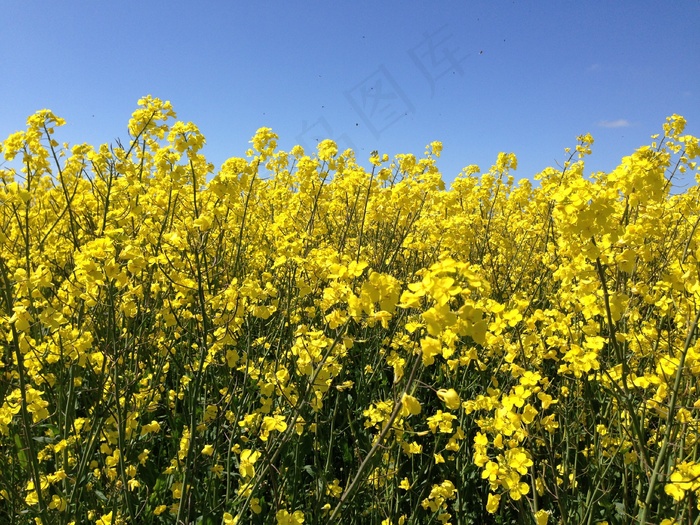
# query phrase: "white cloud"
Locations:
[[619, 123], [592, 68]]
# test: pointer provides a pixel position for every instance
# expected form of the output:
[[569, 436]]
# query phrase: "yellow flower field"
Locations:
[[295, 339]]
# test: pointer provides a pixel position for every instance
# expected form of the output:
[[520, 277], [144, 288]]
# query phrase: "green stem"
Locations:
[[26, 418], [661, 458], [365, 463]]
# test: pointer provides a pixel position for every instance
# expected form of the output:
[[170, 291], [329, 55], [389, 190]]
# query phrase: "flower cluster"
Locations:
[[295, 339]]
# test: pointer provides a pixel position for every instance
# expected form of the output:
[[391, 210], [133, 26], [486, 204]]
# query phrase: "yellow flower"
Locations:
[[21, 318], [265, 141], [277, 423], [105, 519], [412, 448], [493, 502], [32, 498], [546, 400], [203, 222], [327, 149], [247, 460], [410, 405], [541, 517], [450, 398], [518, 460], [675, 491], [490, 471], [143, 456], [229, 519], [430, 347], [285, 518], [58, 503], [442, 421], [152, 427], [529, 413], [334, 489]]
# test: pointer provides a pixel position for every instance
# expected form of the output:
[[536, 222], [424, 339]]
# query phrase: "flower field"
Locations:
[[296, 339]]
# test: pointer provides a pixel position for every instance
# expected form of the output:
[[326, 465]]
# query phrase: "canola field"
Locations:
[[296, 339]]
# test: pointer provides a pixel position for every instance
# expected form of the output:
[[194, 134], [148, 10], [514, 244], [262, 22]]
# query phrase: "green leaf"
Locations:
[[24, 463]]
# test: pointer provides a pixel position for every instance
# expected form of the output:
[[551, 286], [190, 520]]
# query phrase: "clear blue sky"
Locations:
[[482, 77]]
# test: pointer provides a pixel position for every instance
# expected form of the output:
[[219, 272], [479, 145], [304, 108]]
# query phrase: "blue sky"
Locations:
[[482, 77]]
